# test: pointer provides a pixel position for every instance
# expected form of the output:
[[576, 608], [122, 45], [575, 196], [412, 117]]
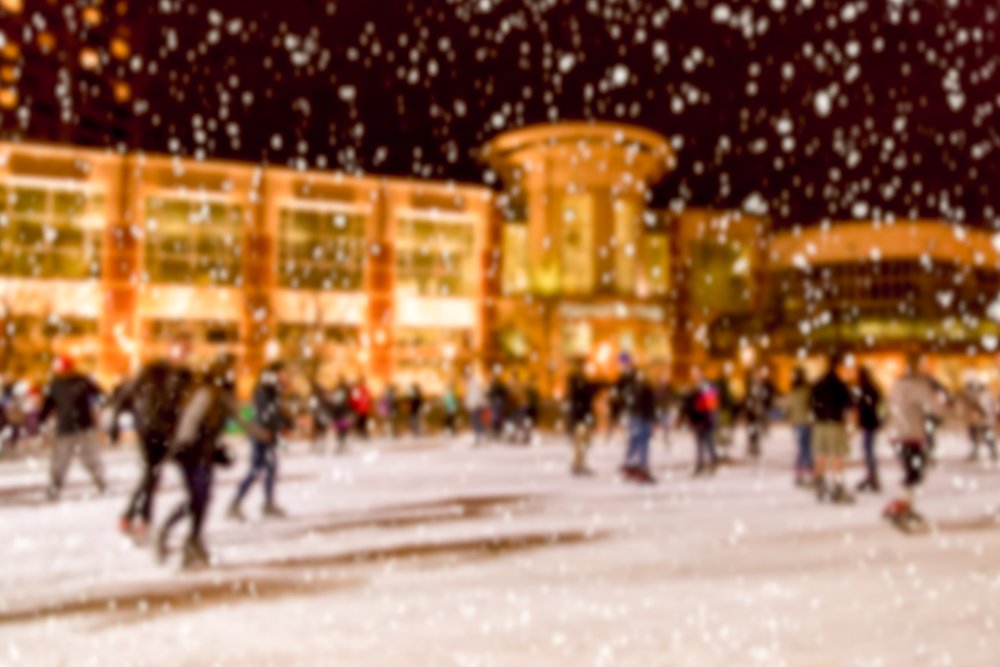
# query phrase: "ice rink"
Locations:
[[435, 553]]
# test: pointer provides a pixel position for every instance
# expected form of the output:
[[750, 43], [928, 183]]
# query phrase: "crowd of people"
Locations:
[[180, 413]]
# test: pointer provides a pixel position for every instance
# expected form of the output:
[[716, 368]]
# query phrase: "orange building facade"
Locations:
[[111, 258]]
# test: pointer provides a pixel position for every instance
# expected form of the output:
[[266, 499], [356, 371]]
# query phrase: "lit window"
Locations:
[[194, 242], [435, 257], [48, 233], [321, 250], [515, 258], [578, 244]]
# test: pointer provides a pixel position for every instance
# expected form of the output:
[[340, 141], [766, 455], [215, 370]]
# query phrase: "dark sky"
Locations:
[[810, 108]]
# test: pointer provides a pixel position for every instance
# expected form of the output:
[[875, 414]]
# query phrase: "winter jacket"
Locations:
[[868, 399], [269, 412], [154, 398], [830, 399], [361, 400], [580, 395], [203, 421], [475, 399], [798, 405], [640, 400], [72, 397], [701, 406], [912, 399]]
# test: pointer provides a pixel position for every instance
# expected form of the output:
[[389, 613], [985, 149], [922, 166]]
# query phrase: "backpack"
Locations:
[[160, 394]]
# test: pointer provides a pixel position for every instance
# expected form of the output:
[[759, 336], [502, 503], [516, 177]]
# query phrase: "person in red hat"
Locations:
[[73, 398]]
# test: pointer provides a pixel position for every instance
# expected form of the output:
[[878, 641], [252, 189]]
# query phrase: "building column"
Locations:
[[259, 279], [118, 352], [380, 284]]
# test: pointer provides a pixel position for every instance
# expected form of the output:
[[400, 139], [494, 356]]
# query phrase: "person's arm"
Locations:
[[251, 428], [191, 417], [48, 405], [121, 402]]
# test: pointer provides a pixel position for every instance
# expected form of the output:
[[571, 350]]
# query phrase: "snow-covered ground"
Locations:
[[436, 553]]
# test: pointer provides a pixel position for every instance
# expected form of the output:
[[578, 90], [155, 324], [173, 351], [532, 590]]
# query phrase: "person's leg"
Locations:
[[257, 465], [632, 452], [990, 437], [645, 435], [870, 459], [62, 454], [270, 464], [90, 455], [800, 459], [201, 492]]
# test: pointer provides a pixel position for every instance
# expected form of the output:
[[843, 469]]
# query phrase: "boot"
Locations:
[[235, 513], [821, 489], [273, 511], [162, 545], [195, 555], [841, 496]]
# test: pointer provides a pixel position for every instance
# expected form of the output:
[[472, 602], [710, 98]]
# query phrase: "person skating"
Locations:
[[800, 419], [415, 403], [361, 404], [617, 402], [390, 409], [829, 402], [912, 399], [531, 412], [449, 401], [700, 411], [322, 420], [341, 414], [758, 405], [475, 404], [581, 421], [868, 400], [983, 411], [271, 415], [196, 449], [154, 399], [73, 397], [499, 401], [640, 406]]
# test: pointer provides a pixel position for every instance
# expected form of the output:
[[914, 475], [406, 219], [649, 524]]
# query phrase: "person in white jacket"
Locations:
[[913, 398], [475, 403]]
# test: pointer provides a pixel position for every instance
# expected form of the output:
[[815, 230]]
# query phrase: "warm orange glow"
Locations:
[[120, 48], [92, 16], [8, 98], [123, 92], [11, 51], [89, 59], [14, 6], [46, 41], [9, 74]]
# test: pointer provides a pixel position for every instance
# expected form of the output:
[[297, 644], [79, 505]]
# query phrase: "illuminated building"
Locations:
[[586, 269], [879, 289], [110, 257]]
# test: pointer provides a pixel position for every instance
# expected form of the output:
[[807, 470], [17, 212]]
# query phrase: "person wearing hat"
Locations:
[[72, 398]]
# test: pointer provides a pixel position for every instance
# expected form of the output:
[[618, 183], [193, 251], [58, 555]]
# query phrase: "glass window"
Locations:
[[321, 250], [626, 222], [578, 244], [47, 233], [193, 242], [656, 262], [515, 258], [435, 258]]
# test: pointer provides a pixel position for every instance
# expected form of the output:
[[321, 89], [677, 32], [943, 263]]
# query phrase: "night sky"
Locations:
[[805, 109]]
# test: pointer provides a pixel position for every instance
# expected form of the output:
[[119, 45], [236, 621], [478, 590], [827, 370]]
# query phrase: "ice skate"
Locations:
[[903, 517], [273, 511], [234, 513], [841, 496], [195, 555]]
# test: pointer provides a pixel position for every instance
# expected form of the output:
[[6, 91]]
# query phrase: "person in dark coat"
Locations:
[[73, 397], [829, 402], [868, 400], [639, 403], [196, 449], [580, 395], [271, 415], [415, 400], [154, 399], [700, 410]]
